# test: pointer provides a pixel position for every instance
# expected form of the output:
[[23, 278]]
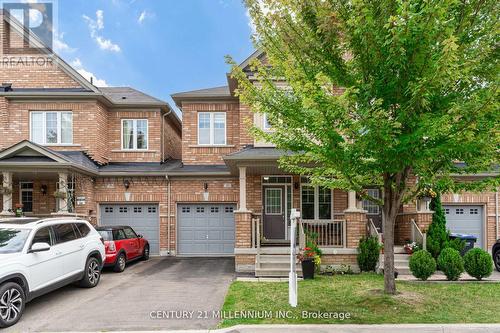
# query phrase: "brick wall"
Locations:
[[194, 154], [172, 140]]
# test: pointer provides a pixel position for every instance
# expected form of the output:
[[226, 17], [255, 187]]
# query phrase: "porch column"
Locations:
[[7, 194], [243, 189], [355, 219], [63, 189]]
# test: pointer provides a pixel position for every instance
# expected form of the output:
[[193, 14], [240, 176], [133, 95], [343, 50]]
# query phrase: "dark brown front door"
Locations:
[[273, 211]]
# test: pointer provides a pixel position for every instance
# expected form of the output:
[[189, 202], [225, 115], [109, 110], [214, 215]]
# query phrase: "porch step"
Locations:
[[268, 272], [401, 261], [278, 264]]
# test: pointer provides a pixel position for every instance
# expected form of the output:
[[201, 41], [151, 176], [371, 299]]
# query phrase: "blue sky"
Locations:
[[157, 46]]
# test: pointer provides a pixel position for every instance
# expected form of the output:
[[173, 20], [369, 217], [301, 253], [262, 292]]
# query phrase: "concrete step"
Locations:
[[278, 265], [403, 270], [275, 257], [271, 272], [399, 250]]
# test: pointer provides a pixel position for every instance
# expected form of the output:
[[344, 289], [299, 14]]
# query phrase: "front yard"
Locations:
[[360, 295]]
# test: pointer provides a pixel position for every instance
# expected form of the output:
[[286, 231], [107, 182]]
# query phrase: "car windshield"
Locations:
[[12, 240], [106, 234]]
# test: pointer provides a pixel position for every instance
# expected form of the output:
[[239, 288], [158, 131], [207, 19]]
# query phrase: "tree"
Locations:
[[437, 235], [378, 91]]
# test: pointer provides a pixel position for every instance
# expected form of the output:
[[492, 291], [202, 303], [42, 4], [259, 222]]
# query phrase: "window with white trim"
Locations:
[[211, 128], [316, 202], [134, 134], [51, 127], [371, 207]]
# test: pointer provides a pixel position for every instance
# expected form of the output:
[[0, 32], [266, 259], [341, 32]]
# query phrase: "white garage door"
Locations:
[[205, 229], [144, 219], [465, 220]]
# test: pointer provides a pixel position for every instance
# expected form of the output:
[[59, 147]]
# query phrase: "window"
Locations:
[[200, 209], [474, 211], [274, 201], [152, 209], [447, 211], [371, 207], [211, 128], [137, 209], [316, 202], [134, 134], [12, 240], [65, 232], [186, 209], [123, 209], [43, 235], [459, 211], [265, 122], [108, 209], [83, 229], [52, 128], [26, 196], [130, 233], [214, 209], [228, 209], [119, 234]]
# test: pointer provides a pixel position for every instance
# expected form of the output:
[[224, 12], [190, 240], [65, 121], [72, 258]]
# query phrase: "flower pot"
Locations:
[[308, 268], [409, 251]]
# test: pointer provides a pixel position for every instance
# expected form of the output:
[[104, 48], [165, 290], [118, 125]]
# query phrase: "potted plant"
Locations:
[[426, 194], [19, 209], [411, 247], [306, 258]]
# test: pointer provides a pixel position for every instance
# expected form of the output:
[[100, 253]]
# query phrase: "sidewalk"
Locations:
[[404, 328]]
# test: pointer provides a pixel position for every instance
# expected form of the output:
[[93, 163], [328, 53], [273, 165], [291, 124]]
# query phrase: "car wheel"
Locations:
[[12, 301], [145, 253], [92, 273], [120, 263], [496, 259]]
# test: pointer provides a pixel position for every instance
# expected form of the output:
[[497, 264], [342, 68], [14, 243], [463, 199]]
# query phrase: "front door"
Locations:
[[274, 211]]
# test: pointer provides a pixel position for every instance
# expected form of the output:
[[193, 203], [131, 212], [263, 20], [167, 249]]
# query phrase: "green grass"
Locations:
[[362, 297]]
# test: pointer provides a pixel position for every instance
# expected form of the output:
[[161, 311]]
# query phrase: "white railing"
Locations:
[[373, 231], [329, 233], [417, 235], [302, 235]]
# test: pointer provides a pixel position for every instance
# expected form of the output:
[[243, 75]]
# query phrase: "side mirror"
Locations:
[[139, 236], [39, 247]]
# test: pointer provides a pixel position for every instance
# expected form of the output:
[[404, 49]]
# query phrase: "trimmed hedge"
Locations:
[[451, 263], [422, 265], [478, 263], [368, 253]]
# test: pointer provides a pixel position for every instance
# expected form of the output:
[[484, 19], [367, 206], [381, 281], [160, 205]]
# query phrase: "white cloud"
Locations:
[[96, 25], [60, 45], [77, 64], [145, 14]]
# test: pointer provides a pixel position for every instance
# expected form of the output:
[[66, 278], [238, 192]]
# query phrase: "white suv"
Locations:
[[40, 255]]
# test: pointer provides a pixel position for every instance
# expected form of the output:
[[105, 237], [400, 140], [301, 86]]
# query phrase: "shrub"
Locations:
[[456, 244], [437, 235], [478, 263], [422, 265], [368, 253], [451, 263]]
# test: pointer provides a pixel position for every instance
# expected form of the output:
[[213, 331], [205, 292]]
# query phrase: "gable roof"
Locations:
[[221, 92], [65, 67], [128, 95]]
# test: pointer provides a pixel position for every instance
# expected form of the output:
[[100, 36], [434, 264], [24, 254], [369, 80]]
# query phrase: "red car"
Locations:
[[122, 245]]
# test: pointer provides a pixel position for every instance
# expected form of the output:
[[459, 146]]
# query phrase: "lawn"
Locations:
[[361, 297]]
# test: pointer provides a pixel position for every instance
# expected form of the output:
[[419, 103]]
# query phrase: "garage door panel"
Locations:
[[210, 227], [144, 219], [464, 219]]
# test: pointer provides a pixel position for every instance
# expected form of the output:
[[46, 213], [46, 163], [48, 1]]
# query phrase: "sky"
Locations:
[[156, 46]]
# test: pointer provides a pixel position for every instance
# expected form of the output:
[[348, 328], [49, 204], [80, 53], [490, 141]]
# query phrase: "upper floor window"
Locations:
[[265, 122], [134, 134], [370, 206], [211, 128], [51, 127]]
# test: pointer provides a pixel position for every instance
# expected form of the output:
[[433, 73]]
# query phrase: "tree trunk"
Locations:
[[394, 189]]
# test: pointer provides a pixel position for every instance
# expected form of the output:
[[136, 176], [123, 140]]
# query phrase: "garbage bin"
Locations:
[[469, 240]]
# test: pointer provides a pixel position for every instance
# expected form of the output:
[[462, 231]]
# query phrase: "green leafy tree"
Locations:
[[437, 234], [372, 92]]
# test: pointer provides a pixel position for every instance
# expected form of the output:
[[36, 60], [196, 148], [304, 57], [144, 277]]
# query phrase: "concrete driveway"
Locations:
[[141, 298]]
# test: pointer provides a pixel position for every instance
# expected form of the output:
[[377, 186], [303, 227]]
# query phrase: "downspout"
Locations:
[[496, 213], [163, 135], [168, 214]]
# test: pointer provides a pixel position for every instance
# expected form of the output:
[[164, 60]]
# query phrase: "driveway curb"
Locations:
[[343, 328]]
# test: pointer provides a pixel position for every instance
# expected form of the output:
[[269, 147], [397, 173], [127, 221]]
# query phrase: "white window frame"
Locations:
[[371, 203], [44, 128], [266, 126], [212, 129], [22, 190], [134, 137], [316, 202]]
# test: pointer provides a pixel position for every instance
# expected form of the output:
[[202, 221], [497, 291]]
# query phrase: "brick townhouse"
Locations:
[[206, 188]]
